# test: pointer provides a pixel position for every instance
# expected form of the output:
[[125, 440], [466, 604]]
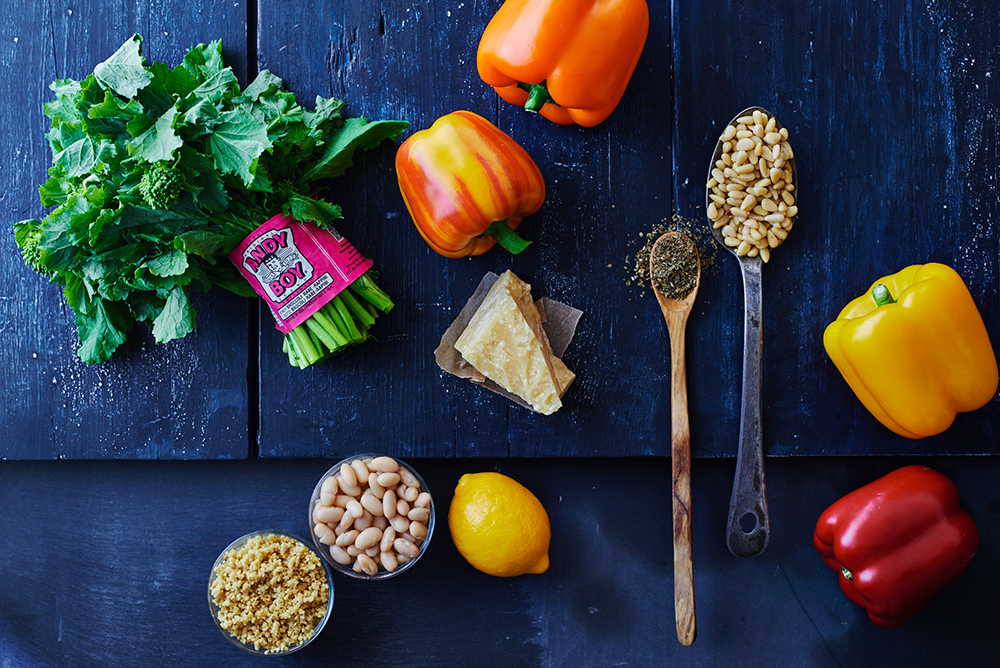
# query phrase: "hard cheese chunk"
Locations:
[[506, 343]]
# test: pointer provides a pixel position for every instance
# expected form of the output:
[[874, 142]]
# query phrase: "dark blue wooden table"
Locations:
[[892, 109]]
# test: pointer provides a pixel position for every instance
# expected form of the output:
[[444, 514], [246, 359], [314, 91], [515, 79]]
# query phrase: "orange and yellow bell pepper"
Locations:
[[915, 350], [569, 60], [467, 185]]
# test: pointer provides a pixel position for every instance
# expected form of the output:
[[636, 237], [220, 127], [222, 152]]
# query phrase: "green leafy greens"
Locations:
[[158, 173]]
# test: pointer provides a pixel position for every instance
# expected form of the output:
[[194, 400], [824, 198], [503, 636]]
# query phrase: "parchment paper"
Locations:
[[558, 320]]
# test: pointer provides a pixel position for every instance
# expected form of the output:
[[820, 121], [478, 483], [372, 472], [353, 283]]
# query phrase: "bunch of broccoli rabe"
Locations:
[[158, 173]]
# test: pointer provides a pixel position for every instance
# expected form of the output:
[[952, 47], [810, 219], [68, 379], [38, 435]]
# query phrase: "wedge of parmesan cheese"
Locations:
[[505, 342]]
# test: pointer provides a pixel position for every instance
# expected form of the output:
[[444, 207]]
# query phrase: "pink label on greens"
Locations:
[[297, 267]]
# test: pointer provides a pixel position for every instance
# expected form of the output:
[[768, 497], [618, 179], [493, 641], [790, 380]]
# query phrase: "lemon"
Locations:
[[499, 526]]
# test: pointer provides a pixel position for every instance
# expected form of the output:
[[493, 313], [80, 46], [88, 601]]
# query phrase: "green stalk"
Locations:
[[338, 304], [362, 316], [303, 346], [538, 96], [366, 288], [882, 296], [338, 321], [331, 329], [316, 329], [506, 237]]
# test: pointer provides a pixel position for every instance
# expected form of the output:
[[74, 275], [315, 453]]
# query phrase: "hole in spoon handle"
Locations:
[[748, 528]]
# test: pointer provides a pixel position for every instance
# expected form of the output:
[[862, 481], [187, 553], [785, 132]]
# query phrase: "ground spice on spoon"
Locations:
[[674, 266]]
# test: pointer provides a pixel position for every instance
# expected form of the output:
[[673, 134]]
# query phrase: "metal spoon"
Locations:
[[675, 312], [748, 528]]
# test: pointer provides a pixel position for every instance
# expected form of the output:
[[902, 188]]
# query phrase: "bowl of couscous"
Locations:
[[270, 593]]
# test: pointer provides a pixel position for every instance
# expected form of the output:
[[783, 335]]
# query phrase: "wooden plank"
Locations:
[[185, 399], [410, 62], [902, 75], [132, 583], [887, 105]]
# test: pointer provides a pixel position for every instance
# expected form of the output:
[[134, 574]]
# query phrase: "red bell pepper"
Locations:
[[897, 543]]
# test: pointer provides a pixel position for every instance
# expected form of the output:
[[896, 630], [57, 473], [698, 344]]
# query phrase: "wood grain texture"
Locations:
[[185, 399], [125, 584], [888, 106], [604, 185]]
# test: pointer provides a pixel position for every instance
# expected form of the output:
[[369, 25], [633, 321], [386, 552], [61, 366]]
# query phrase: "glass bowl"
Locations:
[[249, 647], [327, 551]]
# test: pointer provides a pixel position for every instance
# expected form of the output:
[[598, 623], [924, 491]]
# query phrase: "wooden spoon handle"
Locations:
[[680, 457]]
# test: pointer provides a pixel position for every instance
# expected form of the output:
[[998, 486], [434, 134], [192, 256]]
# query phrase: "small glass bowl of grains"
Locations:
[[371, 516], [270, 593]]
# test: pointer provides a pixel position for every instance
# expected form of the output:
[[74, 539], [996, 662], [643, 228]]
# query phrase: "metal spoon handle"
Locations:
[[748, 528]]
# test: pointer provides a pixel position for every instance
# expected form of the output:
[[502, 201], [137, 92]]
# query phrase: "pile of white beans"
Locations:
[[372, 514]]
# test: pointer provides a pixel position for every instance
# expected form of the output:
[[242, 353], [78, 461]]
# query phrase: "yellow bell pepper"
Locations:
[[915, 350]]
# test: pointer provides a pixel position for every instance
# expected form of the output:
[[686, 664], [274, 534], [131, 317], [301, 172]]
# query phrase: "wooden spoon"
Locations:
[[675, 312]]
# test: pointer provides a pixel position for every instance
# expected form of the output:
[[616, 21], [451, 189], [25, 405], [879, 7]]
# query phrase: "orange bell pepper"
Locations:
[[915, 350], [467, 185], [569, 60]]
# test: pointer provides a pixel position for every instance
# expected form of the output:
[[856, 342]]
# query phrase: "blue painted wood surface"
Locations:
[[184, 400], [892, 112], [125, 585], [888, 109]]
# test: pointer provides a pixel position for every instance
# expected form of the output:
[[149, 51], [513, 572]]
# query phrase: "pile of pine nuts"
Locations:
[[751, 190], [372, 515]]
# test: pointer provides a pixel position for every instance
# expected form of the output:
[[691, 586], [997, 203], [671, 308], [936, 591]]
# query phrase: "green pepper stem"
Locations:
[[538, 96], [847, 573], [506, 237], [882, 296]]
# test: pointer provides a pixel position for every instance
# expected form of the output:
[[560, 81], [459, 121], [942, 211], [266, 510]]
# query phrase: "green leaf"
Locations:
[[217, 86], [123, 72], [264, 85], [236, 143], [327, 109], [110, 118], [171, 263], [308, 209], [176, 320], [52, 193], [160, 141], [356, 134], [76, 159], [204, 60], [101, 324], [202, 243]]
